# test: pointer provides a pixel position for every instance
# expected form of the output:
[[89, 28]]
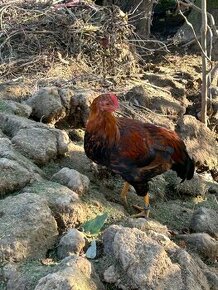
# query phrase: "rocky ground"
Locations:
[[49, 189], [62, 224]]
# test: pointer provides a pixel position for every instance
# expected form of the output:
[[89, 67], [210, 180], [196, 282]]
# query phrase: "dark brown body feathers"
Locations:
[[135, 150]]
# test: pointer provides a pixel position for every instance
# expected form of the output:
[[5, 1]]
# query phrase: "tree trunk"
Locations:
[[204, 91]]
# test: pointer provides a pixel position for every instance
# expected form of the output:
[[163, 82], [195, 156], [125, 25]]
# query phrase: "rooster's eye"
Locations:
[[105, 103]]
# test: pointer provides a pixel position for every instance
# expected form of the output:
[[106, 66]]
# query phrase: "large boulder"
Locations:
[[205, 220], [79, 107], [146, 260], [212, 278], [12, 176], [194, 187], [10, 124], [34, 140], [52, 104], [201, 243], [72, 242], [137, 95], [156, 106], [200, 142], [41, 145], [64, 203], [72, 179], [8, 151], [73, 273], [184, 35], [144, 97], [16, 171], [70, 273], [21, 276], [47, 105], [148, 225], [193, 275], [170, 184], [27, 228], [11, 107]]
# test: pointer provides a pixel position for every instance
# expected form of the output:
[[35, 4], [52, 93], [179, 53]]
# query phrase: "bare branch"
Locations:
[[137, 6], [194, 33], [190, 4]]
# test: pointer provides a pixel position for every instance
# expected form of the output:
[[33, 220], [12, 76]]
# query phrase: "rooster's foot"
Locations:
[[123, 195], [144, 212]]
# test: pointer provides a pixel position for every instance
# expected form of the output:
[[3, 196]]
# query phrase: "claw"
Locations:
[[124, 202], [139, 208], [144, 213], [124, 194]]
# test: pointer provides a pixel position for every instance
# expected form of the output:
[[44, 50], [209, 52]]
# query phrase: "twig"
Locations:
[[136, 16], [191, 41], [195, 36], [9, 3], [2, 10], [9, 37], [61, 58], [190, 4], [150, 41], [137, 6]]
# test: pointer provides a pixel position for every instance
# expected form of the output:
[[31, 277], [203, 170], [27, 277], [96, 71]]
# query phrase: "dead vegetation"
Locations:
[[35, 36]]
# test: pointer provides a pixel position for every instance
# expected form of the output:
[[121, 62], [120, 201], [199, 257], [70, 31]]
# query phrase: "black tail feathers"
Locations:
[[185, 169]]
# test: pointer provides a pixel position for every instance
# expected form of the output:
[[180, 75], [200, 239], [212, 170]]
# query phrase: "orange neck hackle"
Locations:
[[104, 125]]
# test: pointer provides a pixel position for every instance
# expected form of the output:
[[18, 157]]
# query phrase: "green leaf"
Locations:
[[94, 226]]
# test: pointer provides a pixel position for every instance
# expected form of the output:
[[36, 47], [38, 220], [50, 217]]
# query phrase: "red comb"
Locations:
[[115, 100]]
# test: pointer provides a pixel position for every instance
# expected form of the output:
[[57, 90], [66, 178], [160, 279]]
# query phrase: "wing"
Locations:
[[144, 150]]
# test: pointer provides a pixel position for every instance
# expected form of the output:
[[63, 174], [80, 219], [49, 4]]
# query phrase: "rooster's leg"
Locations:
[[144, 211], [124, 193]]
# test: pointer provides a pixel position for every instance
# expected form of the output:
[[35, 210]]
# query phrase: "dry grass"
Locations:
[[35, 37]]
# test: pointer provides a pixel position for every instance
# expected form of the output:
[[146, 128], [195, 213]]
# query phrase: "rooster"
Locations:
[[135, 150]]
